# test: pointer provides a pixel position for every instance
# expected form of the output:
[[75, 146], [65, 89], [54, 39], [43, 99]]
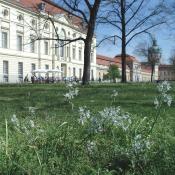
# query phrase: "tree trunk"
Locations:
[[152, 72], [123, 52], [87, 62], [88, 42]]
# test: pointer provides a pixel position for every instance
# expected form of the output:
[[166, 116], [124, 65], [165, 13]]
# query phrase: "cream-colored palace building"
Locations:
[[21, 22]]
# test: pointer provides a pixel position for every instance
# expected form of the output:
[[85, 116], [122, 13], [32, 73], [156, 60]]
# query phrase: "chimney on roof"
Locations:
[[42, 6]]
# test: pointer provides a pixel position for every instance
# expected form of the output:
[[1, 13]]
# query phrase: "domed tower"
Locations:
[[154, 56]]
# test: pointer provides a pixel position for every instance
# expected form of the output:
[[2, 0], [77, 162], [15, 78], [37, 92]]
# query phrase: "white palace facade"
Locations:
[[22, 22]]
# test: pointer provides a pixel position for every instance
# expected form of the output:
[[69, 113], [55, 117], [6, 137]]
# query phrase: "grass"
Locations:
[[60, 150], [134, 98]]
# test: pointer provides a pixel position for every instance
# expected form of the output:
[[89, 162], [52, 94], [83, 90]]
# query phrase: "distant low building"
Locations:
[[103, 63], [134, 67], [167, 72], [135, 71]]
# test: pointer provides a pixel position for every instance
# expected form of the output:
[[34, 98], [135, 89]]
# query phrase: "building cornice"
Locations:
[[37, 15]]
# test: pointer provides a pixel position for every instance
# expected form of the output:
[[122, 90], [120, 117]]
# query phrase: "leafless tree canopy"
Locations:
[[131, 18], [172, 57], [138, 16]]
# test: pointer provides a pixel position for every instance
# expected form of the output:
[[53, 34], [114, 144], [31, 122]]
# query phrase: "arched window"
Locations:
[[62, 48]]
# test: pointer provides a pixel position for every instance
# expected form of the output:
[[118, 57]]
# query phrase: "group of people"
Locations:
[[40, 79], [47, 79]]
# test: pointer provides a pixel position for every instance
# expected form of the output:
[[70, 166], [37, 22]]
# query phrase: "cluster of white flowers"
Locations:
[[163, 88], [84, 115], [23, 127], [167, 99], [15, 120], [111, 115], [140, 144], [71, 94], [114, 94], [156, 103], [115, 116], [73, 91], [32, 110], [91, 146]]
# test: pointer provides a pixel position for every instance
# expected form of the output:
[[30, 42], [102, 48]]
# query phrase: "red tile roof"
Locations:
[[51, 8], [106, 61], [129, 58], [146, 68]]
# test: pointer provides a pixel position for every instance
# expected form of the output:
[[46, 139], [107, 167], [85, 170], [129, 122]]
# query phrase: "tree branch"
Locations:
[[143, 31]]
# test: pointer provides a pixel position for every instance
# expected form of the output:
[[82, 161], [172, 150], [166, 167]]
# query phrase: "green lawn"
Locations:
[[61, 149], [49, 99]]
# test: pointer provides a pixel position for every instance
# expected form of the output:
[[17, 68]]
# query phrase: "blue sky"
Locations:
[[164, 38], [163, 35]]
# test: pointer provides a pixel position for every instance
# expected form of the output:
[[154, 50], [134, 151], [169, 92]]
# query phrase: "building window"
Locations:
[[4, 40], [46, 48], [73, 53], [62, 48], [20, 71], [74, 72], [80, 54], [33, 67], [46, 66], [32, 46], [68, 51], [80, 73], [69, 71], [5, 71], [19, 42], [56, 50]]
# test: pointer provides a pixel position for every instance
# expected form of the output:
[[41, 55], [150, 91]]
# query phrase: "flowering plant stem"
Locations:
[[6, 142], [155, 120]]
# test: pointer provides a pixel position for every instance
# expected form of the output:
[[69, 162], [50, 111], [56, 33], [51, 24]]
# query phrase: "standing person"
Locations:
[[32, 79]]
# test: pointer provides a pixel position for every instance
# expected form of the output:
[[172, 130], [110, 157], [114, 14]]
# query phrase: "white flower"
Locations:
[[68, 96], [164, 87], [156, 103], [32, 123], [168, 99], [15, 120], [76, 92], [73, 91], [69, 85], [84, 115], [32, 110], [91, 146], [115, 116], [26, 130], [115, 93]]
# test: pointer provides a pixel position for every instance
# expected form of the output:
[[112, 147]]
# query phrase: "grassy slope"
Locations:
[[14, 99], [134, 98]]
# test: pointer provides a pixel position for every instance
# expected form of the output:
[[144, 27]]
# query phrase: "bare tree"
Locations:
[[131, 18], [88, 10], [172, 57], [86, 13]]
